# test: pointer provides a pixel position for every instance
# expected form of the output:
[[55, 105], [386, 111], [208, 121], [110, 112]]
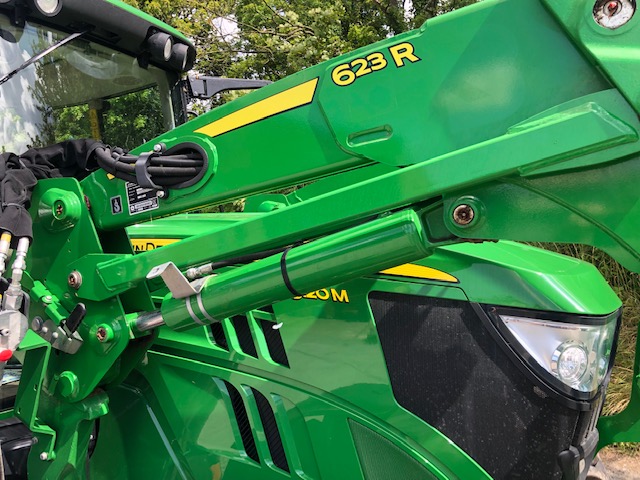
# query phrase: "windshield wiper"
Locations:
[[41, 54]]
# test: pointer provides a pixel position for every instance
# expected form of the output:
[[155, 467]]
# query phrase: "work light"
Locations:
[[49, 8], [182, 57], [565, 351], [160, 45]]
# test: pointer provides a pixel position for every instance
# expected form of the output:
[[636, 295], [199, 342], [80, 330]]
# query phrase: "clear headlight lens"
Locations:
[[576, 354]]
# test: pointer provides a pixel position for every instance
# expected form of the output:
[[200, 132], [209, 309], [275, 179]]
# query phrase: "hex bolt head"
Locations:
[[463, 214], [75, 280], [44, 456]]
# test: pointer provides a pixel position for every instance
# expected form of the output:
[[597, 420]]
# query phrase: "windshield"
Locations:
[[80, 90]]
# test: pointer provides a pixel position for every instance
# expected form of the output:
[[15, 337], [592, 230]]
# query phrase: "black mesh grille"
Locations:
[[446, 368], [217, 332], [382, 460], [271, 431], [274, 342], [243, 422], [243, 332]]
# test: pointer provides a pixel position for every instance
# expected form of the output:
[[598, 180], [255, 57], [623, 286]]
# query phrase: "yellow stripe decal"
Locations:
[[418, 271], [144, 244], [278, 103]]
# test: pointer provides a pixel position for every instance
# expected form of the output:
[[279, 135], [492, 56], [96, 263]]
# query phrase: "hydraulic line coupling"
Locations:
[[13, 322]]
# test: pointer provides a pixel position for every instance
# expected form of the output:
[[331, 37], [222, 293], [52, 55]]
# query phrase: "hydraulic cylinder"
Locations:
[[378, 244]]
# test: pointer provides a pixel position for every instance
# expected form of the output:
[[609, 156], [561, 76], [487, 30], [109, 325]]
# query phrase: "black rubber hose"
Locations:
[[180, 160], [162, 174], [173, 172], [173, 162], [251, 257]]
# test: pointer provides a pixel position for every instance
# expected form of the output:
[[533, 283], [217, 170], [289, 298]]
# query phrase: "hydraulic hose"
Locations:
[[169, 171]]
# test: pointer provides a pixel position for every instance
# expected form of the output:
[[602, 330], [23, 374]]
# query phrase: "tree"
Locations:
[[275, 38], [278, 38], [199, 20], [422, 10]]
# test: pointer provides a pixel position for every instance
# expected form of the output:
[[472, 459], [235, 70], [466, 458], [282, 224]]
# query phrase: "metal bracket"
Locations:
[[59, 337], [173, 278]]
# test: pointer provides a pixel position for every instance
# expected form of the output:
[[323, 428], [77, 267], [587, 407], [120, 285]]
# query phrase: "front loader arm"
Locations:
[[489, 123]]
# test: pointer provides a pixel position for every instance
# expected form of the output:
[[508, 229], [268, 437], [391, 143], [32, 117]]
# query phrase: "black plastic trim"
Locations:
[[569, 460], [109, 23], [274, 341], [271, 431], [560, 317], [242, 419], [243, 333], [219, 337]]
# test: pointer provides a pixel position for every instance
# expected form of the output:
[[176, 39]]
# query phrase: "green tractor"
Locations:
[[378, 323]]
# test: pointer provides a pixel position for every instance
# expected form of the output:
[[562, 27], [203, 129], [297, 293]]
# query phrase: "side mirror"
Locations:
[[203, 87]]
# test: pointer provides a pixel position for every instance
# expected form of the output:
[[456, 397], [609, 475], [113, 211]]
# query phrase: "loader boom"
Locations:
[[506, 120]]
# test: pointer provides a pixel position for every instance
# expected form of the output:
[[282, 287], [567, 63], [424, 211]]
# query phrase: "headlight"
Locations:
[[563, 350], [160, 45]]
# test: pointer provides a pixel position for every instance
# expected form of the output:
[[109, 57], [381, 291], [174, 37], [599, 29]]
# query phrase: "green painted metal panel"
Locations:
[[518, 109]]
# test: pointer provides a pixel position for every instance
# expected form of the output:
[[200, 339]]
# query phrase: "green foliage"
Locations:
[[133, 118], [271, 39], [277, 38], [423, 10], [199, 20], [127, 121]]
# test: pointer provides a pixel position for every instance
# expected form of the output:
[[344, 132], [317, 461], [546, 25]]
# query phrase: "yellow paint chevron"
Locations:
[[280, 102], [418, 271]]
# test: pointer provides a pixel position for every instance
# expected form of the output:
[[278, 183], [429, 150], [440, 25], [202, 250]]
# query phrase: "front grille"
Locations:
[[446, 368]]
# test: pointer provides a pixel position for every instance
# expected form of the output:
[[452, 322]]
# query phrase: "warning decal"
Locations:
[[141, 199]]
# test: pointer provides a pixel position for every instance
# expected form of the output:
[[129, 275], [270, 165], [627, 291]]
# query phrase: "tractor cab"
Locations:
[[62, 78]]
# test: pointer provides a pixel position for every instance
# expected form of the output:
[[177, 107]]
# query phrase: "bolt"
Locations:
[[5, 332], [157, 148], [161, 194], [75, 280], [104, 333], [47, 299], [37, 324], [463, 214], [44, 456], [101, 334], [55, 335]]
